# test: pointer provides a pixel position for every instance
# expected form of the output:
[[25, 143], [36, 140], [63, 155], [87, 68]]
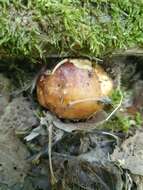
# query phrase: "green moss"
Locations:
[[138, 119], [38, 28], [118, 123], [116, 97], [122, 120]]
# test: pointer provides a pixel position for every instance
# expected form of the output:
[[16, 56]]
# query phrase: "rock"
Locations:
[[13, 164], [3, 103], [130, 154], [19, 116], [138, 95], [5, 88], [138, 181], [5, 84]]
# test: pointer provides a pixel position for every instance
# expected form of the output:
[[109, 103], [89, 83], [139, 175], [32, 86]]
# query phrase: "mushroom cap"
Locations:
[[74, 89]]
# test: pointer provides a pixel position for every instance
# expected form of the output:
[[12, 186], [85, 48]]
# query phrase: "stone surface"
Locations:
[[18, 115], [138, 180], [130, 154], [5, 88]]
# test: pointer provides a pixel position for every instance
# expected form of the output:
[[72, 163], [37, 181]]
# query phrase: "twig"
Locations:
[[129, 182], [119, 105], [53, 178], [83, 100], [17, 92], [66, 60], [58, 65], [110, 134]]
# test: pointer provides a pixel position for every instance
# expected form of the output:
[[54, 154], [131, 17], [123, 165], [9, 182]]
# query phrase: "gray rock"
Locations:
[[138, 180], [13, 164], [3, 103], [18, 115], [130, 154], [5, 88]]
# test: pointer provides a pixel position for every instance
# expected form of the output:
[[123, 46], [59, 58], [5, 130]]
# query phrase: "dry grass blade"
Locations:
[[53, 178]]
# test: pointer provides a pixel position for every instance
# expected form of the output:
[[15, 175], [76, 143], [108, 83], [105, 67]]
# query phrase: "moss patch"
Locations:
[[38, 28]]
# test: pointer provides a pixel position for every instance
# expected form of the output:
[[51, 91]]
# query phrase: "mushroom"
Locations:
[[75, 89]]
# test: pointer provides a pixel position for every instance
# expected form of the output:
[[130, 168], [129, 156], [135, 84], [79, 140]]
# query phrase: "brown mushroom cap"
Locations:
[[73, 91]]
